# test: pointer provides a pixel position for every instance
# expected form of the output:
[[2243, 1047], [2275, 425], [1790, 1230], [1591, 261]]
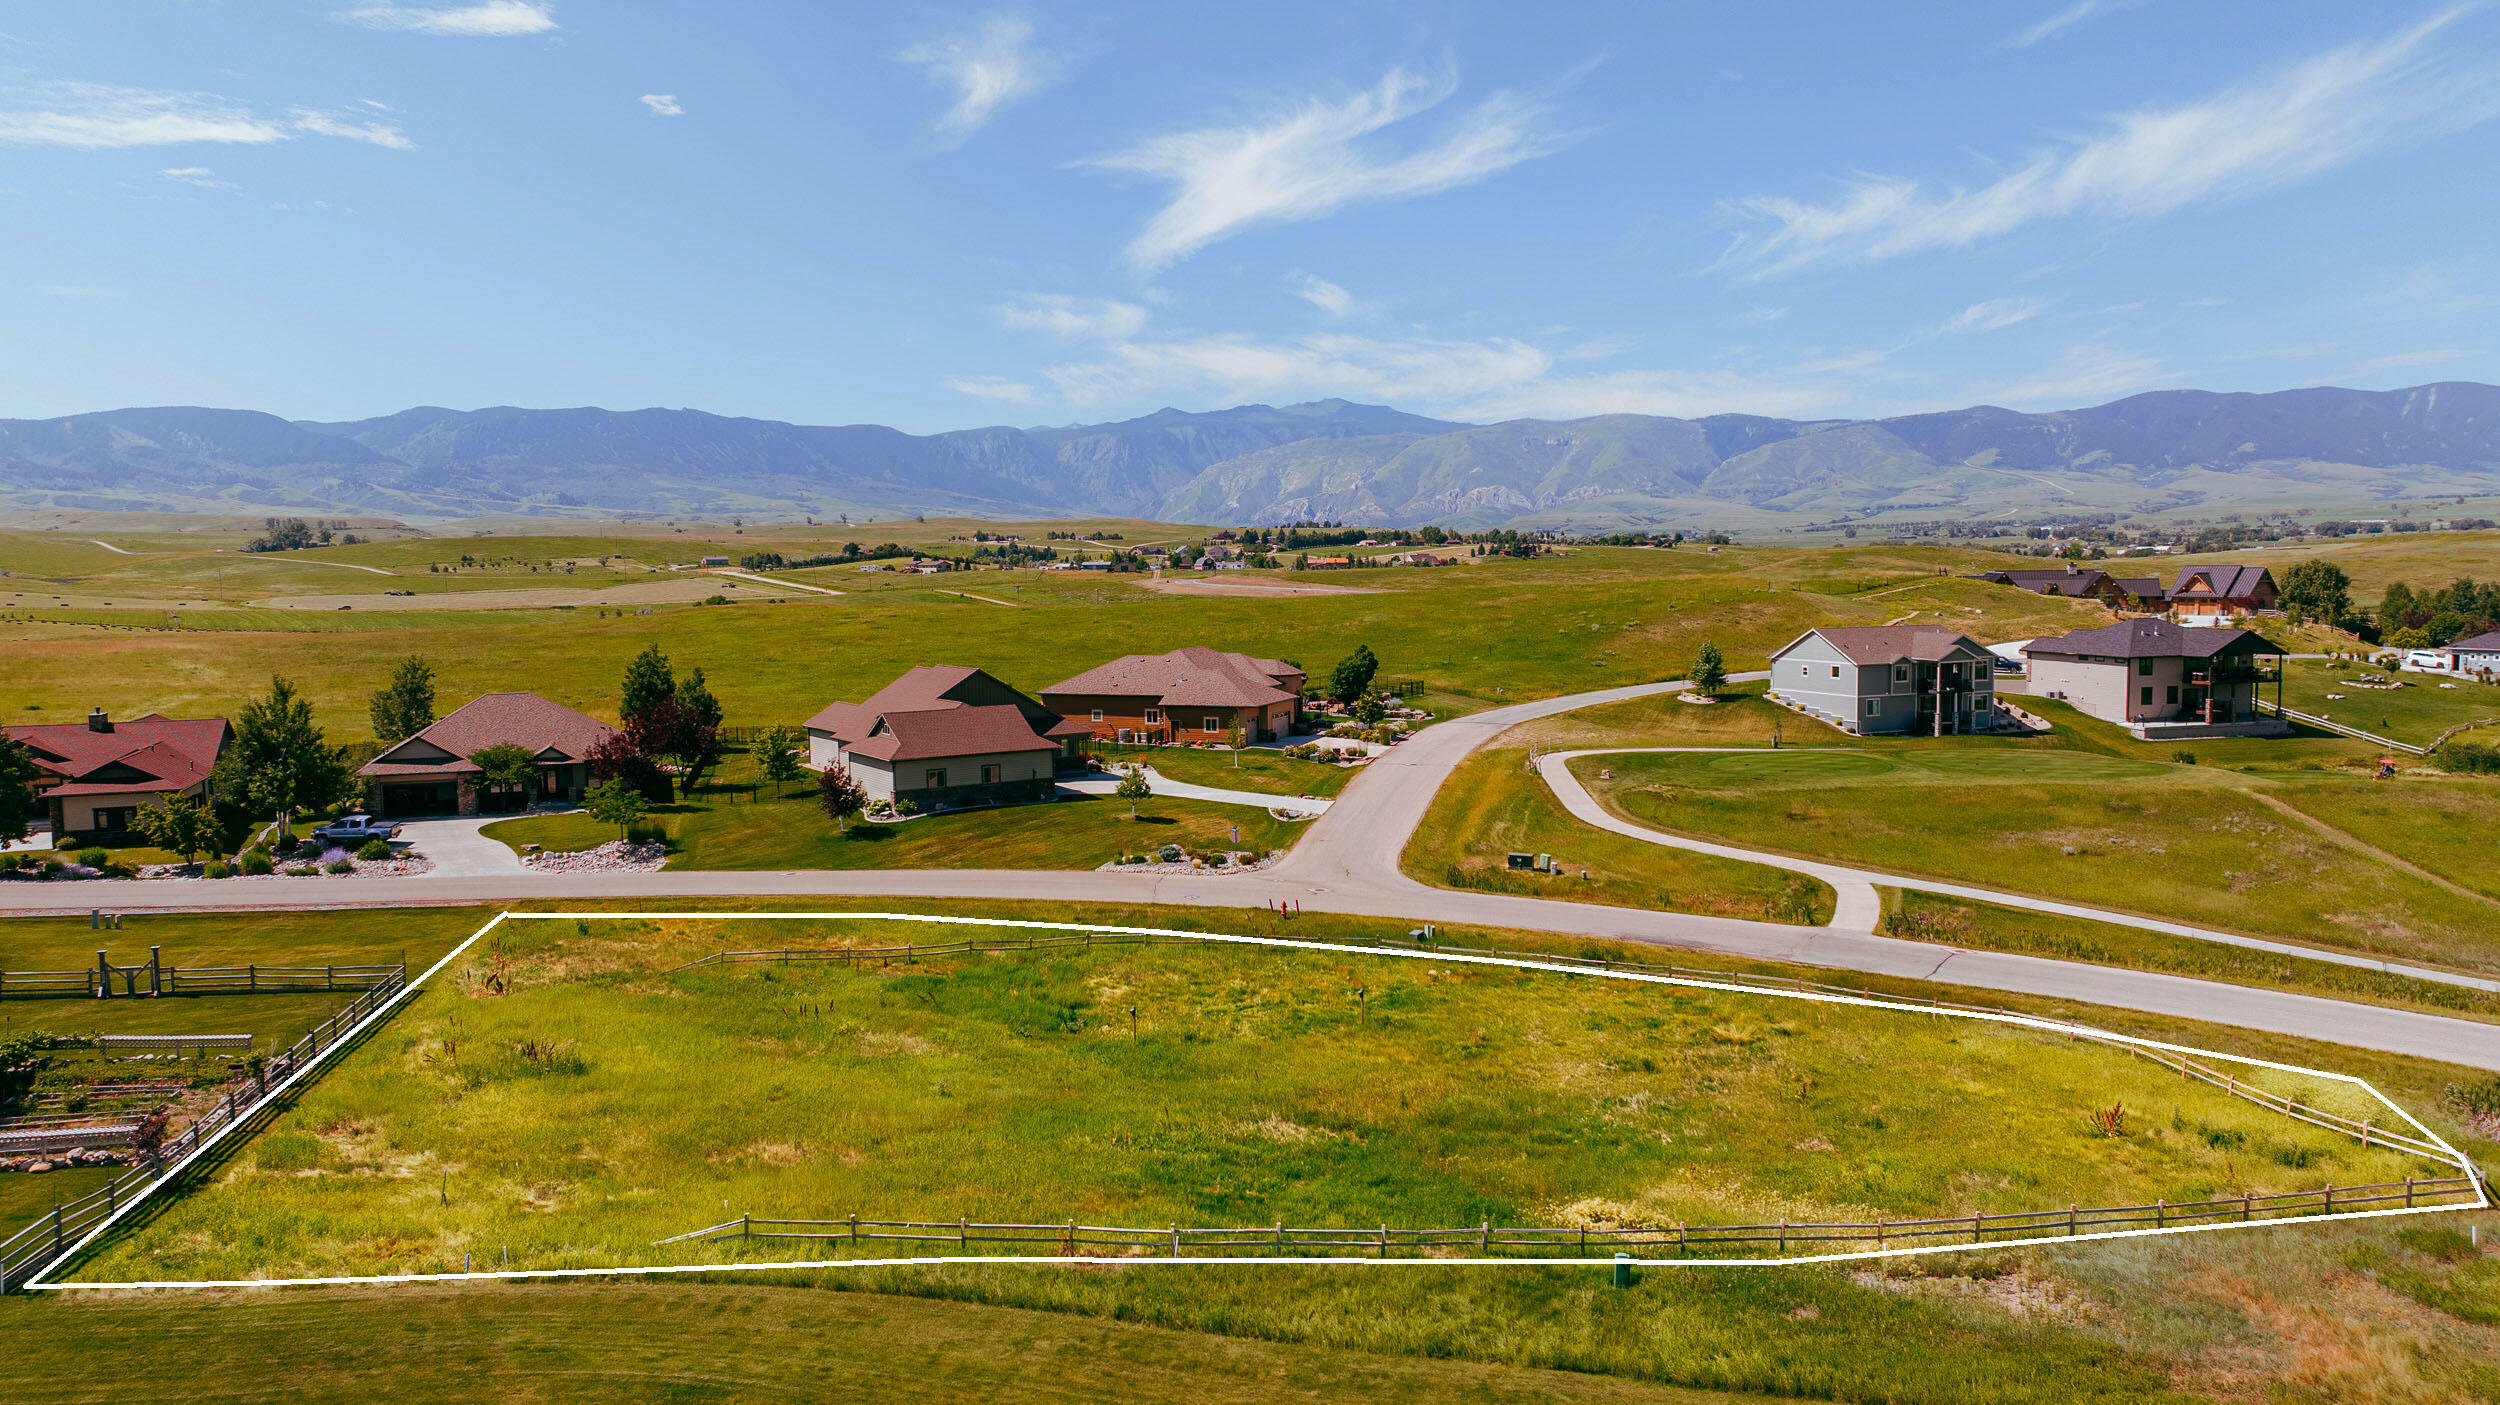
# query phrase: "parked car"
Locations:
[[354, 829]]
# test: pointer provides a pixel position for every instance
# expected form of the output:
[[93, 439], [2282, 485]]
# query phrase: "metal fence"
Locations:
[[35, 1247], [1489, 1240]]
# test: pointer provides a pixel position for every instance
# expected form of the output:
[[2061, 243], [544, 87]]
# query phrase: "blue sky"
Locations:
[[935, 217]]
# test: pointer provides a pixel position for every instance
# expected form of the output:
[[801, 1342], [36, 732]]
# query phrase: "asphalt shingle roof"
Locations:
[[173, 753], [1191, 677], [943, 710], [1891, 643], [492, 719], [2154, 639]]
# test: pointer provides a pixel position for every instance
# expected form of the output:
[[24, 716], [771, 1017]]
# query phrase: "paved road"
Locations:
[[1347, 863], [1860, 907]]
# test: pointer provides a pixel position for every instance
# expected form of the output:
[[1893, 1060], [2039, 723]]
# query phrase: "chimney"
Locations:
[[2072, 569], [97, 721]]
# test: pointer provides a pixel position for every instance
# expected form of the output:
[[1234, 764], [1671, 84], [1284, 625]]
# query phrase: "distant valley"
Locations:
[[2171, 453]]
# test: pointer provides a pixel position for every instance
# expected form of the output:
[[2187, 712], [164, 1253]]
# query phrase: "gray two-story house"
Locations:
[[2160, 680], [1889, 680]]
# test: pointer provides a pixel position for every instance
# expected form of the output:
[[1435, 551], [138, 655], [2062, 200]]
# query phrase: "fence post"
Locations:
[[2247, 1203], [330, 978], [1176, 1240], [2408, 1192], [2365, 1134], [746, 1224], [156, 970], [854, 1228], [2330, 1197], [2070, 1219], [252, 977], [963, 1234], [2159, 1211], [1974, 1230], [56, 1226], [1485, 1244]]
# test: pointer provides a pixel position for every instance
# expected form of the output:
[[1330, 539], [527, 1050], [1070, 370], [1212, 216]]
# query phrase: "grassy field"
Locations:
[[1080, 831], [1958, 922], [1494, 807], [2191, 843], [1489, 633], [2444, 824], [2383, 1312], [2416, 712]]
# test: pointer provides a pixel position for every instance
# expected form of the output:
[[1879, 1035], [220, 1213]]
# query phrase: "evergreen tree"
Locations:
[[278, 759], [697, 696], [648, 679], [17, 790]]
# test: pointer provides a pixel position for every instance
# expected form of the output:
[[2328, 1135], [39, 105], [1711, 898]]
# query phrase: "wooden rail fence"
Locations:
[[37, 1246], [105, 980], [1486, 1240]]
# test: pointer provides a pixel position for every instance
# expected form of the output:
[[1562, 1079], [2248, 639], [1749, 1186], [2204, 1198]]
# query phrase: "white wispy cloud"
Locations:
[[1320, 293], [2263, 134], [492, 19], [1013, 392], [2402, 359], [1311, 159], [2085, 374], [104, 116], [332, 124], [663, 104], [1990, 315], [1096, 319], [200, 176], [2066, 19], [990, 65]]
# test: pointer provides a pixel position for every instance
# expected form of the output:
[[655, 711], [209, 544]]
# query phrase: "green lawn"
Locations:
[[1073, 833], [2416, 712], [2189, 843], [1264, 771], [1494, 807], [2445, 824]]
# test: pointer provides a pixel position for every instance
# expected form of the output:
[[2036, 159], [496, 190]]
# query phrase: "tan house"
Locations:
[[1192, 694], [2158, 679], [2220, 595], [945, 738], [431, 773], [95, 776]]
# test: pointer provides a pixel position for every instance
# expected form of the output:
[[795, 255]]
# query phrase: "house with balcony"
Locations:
[[2220, 595], [1889, 680], [1195, 694], [2161, 680], [947, 738]]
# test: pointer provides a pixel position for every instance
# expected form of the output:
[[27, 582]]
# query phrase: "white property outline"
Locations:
[[2481, 1201]]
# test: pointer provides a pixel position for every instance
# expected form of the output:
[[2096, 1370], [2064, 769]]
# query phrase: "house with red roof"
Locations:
[[945, 738], [94, 776], [1192, 694], [431, 773]]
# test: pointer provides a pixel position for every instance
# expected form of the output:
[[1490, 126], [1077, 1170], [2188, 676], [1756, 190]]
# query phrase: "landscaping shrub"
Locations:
[[646, 834], [375, 850], [94, 858], [341, 864], [2469, 758], [52, 866], [256, 862], [216, 869]]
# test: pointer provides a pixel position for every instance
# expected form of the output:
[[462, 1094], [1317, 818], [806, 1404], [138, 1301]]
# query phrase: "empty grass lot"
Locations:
[[1493, 806], [2190, 843], [608, 1101], [1076, 832]]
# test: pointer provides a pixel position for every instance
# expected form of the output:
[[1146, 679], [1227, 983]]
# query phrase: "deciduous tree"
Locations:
[[1709, 670], [1352, 675], [278, 759], [648, 679], [177, 824], [18, 805], [839, 796], [614, 802], [404, 706]]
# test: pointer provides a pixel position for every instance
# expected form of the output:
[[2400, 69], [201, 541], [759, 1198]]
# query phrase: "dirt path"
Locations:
[[108, 546], [276, 560]]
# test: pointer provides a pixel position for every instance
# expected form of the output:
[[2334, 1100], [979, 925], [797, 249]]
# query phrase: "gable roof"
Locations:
[[166, 753], [2141, 587], [1191, 677], [551, 731], [2070, 580], [1893, 643], [942, 710], [2488, 639], [2154, 639], [2225, 582]]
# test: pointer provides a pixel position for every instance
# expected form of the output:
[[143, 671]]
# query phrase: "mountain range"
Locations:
[[2164, 452]]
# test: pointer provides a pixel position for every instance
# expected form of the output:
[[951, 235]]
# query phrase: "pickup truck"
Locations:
[[353, 829]]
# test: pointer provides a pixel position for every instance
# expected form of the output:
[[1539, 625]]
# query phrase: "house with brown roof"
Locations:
[[431, 773], [945, 738], [2159, 680], [1192, 694], [94, 776], [2068, 579], [2221, 594], [1878, 680]]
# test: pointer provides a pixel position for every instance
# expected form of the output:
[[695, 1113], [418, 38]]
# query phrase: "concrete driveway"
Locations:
[[1184, 790], [458, 849]]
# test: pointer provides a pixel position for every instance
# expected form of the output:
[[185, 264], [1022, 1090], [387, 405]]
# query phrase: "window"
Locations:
[[1900, 673], [1154, 715], [1835, 670], [989, 775], [2144, 667], [934, 779], [1098, 714], [2174, 692], [118, 818], [2144, 696], [1872, 707], [1210, 724]]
